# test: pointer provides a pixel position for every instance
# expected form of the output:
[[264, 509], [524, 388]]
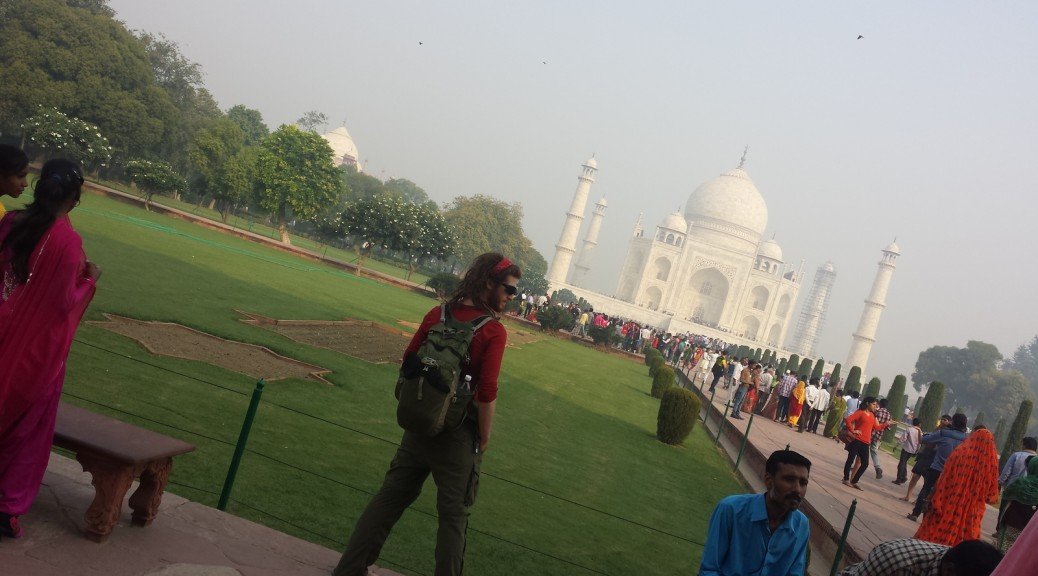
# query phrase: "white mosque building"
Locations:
[[344, 150], [706, 270]]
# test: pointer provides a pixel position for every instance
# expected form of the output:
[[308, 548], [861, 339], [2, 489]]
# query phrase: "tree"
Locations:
[[418, 231], [804, 370], [296, 173], [1025, 360], [853, 379], [54, 133], [93, 6], [311, 120], [359, 185], [834, 376], [237, 181], [930, 410], [918, 405], [1000, 431], [781, 371], [405, 189], [768, 357], [896, 403], [819, 369], [485, 224], [250, 122], [208, 153], [742, 352], [872, 388], [955, 367], [757, 355], [153, 177], [564, 296], [1016, 431], [979, 420], [794, 362]]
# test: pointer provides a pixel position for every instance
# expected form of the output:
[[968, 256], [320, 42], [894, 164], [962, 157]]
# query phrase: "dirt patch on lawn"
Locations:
[[361, 339], [178, 341]]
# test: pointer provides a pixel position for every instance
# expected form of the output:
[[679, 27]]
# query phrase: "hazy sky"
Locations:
[[924, 130]]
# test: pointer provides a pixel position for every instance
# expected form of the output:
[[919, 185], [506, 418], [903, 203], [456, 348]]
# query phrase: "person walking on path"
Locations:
[[718, 369], [862, 423], [47, 283], [762, 534], [14, 168], [909, 440], [882, 417], [796, 403], [453, 457], [924, 458], [908, 556], [1019, 502], [785, 388], [767, 385], [968, 483], [745, 383], [944, 441], [810, 401], [1016, 464], [819, 407]]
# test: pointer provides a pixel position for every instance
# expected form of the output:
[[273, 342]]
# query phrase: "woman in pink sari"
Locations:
[[46, 283]]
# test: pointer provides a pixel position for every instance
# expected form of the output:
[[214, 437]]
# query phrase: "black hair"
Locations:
[[868, 400], [785, 457], [945, 417], [972, 558], [1030, 443], [813, 381], [882, 402], [959, 421], [12, 160], [855, 394], [60, 181], [916, 421]]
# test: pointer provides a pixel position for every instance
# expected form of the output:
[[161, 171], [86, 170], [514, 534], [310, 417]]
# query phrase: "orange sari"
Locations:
[[968, 482]]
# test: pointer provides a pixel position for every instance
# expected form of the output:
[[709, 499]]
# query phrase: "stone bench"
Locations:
[[115, 453]]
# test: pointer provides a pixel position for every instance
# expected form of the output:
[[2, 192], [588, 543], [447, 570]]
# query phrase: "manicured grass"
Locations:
[[573, 423]]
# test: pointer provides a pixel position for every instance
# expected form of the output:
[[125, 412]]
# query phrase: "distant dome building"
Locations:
[[344, 150]]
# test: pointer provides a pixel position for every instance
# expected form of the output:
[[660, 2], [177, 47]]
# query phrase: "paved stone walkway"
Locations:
[[186, 539], [880, 514]]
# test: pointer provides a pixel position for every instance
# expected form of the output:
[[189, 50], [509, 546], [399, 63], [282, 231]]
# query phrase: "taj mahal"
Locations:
[[708, 269]]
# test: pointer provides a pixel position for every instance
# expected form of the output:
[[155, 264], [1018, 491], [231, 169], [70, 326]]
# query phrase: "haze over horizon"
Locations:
[[922, 130]]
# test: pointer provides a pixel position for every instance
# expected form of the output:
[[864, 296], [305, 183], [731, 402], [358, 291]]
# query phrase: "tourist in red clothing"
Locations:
[[862, 423], [452, 456]]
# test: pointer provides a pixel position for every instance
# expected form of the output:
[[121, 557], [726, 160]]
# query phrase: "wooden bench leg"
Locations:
[[111, 481], [146, 499]]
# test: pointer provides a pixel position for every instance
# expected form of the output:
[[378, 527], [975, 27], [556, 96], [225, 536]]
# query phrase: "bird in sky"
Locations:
[[419, 43], [544, 62], [859, 37]]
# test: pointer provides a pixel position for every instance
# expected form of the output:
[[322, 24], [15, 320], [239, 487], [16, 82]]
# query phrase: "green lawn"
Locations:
[[573, 423]]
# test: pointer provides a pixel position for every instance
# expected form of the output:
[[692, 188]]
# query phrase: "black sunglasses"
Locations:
[[510, 289]]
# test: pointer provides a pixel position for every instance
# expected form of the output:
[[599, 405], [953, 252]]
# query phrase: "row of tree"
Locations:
[[128, 105]]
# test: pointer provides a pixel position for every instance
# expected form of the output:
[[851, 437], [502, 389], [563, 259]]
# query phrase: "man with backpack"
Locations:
[[446, 395]]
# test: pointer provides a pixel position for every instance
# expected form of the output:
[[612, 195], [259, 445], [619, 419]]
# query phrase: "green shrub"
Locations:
[[650, 352], [930, 410], [564, 296], [443, 284], [679, 410], [606, 335], [1017, 430], [555, 318], [872, 388], [834, 417], [662, 380], [656, 363], [853, 380]]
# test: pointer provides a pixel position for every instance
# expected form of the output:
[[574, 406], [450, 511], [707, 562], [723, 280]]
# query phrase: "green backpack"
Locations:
[[431, 395]]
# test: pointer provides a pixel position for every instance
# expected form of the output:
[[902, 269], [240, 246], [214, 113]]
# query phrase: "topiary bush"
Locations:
[[651, 353], [656, 363], [605, 335], [662, 380], [679, 411], [443, 283], [554, 318]]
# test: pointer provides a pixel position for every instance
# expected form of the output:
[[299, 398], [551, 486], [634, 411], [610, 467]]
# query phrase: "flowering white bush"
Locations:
[[58, 134]]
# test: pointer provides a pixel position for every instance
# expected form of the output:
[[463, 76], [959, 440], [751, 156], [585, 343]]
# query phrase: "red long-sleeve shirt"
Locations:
[[485, 352], [865, 421]]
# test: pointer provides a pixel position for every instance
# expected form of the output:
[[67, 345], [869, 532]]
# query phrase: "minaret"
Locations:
[[590, 241], [865, 336], [638, 230], [567, 243], [812, 316]]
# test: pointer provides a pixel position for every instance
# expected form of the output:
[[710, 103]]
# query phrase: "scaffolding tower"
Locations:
[[814, 311]]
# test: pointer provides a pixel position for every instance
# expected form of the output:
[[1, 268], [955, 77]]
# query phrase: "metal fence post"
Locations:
[[843, 538], [745, 438], [724, 419], [239, 449]]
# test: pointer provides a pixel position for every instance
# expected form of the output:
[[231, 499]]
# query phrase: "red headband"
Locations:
[[504, 263]]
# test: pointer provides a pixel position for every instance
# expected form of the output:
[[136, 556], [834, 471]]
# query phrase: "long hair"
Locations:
[[12, 160], [482, 278], [60, 181]]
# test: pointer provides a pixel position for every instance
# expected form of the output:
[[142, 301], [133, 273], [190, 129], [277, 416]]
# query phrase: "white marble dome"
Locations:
[[893, 247], [343, 147], [674, 221], [591, 163], [770, 249], [731, 198]]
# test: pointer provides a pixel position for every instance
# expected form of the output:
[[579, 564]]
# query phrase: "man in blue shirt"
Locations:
[[762, 534], [944, 441]]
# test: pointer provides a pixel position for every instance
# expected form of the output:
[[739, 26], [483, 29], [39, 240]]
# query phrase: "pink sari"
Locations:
[[37, 322]]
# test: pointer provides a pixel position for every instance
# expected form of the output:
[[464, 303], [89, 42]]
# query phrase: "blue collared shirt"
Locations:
[[740, 542], [945, 440]]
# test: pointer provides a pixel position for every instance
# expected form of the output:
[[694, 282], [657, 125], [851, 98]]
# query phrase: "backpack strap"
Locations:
[[480, 322], [444, 312]]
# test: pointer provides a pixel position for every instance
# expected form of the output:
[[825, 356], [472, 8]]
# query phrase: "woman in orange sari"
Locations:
[[969, 482], [796, 403]]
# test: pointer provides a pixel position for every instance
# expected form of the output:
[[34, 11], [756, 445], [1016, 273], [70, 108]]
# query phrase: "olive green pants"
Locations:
[[454, 462]]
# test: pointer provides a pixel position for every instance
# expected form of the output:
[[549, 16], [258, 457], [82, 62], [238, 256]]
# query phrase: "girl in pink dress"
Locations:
[[46, 283]]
